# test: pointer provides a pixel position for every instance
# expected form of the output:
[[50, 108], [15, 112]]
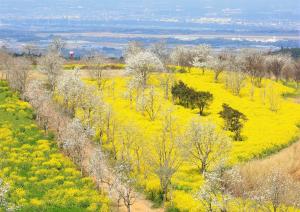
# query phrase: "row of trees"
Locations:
[[238, 66], [255, 63], [74, 137]]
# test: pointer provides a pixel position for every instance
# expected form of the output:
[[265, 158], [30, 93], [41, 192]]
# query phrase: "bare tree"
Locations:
[[130, 92], [253, 63], [30, 49], [165, 161], [132, 49], [276, 63], [182, 56], [51, 64], [99, 118], [202, 53], [152, 104], [161, 51], [5, 62], [57, 45], [273, 97], [96, 68], [235, 81], [167, 80], [31, 52], [142, 64], [110, 131], [205, 145], [18, 74], [291, 71], [296, 74], [219, 63]]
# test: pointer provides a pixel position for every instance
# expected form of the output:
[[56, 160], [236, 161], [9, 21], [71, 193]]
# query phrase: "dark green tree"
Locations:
[[234, 121], [203, 100], [189, 98]]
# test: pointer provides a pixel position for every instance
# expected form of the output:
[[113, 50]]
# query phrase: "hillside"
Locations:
[[264, 133]]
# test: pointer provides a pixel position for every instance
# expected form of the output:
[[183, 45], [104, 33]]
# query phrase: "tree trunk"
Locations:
[[128, 207], [203, 167]]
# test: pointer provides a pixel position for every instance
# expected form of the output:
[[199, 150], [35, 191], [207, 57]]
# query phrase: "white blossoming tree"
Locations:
[[202, 53], [142, 64]]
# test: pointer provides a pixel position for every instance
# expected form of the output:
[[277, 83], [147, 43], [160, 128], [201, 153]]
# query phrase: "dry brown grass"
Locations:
[[287, 160], [254, 177]]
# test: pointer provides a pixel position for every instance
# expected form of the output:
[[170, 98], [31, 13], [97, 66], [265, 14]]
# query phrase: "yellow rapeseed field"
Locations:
[[265, 132]]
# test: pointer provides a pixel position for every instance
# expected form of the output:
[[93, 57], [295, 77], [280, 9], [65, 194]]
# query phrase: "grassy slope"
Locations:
[[265, 132], [40, 177]]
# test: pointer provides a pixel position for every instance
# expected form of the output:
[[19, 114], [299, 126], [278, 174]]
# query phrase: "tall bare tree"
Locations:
[[163, 53], [5, 62], [218, 63], [52, 65], [253, 63], [95, 65], [132, 49], [276, 63], [152, 104], [296, 74], [18, 74], [205, 145], [57, 45], [182, 56], [235, 81], [165, 160]]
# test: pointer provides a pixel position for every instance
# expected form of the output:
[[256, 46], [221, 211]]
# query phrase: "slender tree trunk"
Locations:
[[203, 167]]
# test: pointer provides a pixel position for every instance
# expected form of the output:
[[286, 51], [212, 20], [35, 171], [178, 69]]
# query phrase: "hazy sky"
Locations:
[[286, 9]]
